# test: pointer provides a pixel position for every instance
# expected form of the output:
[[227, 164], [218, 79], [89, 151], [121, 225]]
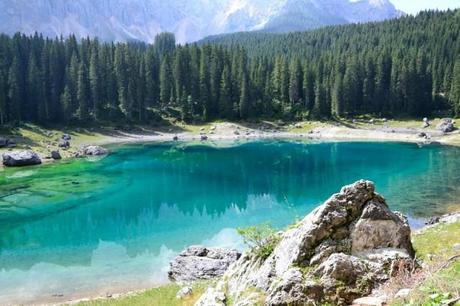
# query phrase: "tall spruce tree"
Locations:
[[455, 90], [83, 93]]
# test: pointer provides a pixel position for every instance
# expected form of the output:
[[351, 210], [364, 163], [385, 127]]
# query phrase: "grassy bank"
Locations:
[[161, 296], [440, 282]]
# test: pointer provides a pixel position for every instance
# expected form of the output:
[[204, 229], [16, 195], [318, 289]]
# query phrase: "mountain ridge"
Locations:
[[142, 20]]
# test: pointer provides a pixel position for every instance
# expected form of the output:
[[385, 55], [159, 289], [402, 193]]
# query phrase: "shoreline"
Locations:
[[222, 132], [225, 131]]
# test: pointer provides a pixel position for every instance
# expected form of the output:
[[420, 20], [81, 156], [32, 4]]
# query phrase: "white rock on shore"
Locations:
[[21, 158]]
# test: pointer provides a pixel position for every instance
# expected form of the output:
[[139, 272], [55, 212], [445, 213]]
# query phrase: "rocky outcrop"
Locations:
[[92, 151], [446, 125], [339, 252], [201, 263], [21, 158]]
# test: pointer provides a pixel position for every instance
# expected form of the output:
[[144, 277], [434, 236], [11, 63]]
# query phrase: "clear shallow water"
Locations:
[[91, 227]]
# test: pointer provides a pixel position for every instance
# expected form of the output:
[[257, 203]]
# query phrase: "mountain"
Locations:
[[123, 20]]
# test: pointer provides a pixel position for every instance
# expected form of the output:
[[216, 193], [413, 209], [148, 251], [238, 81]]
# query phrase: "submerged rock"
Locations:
[[21, 158], [338, 253], [201, 263]]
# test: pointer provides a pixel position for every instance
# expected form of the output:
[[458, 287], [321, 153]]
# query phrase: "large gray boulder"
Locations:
[[447, 125], [339, 252], [20, 158], [201, 263]]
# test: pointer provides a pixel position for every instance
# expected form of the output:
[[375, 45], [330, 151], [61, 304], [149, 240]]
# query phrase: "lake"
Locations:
[[85, 227]]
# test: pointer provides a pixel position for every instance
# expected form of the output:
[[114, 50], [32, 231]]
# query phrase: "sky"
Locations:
[[414, 6]]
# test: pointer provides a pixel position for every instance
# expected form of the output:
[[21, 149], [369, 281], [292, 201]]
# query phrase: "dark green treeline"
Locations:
[[404, 67]]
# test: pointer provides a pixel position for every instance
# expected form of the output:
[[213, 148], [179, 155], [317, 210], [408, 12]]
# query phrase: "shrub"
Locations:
[[262, 239]]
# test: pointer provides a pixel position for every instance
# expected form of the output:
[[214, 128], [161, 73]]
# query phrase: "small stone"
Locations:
[[66, 137], [456, 247], [422, 135], [64, 144], [175, 138], [204, 137], [184, 292], [370, 301], [56, 155], [402, 294], [236, 133]]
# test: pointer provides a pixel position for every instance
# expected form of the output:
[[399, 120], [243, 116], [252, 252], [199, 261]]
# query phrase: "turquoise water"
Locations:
[[87, 227]]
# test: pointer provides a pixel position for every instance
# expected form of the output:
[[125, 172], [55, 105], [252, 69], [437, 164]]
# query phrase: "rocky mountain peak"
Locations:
[[123, 20]]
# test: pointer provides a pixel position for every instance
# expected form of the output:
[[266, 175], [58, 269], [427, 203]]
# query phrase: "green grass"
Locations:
[[438, 242], [435, 246], [161, 296]]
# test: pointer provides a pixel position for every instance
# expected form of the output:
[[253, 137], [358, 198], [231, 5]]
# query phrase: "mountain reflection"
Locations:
[[144, 197]]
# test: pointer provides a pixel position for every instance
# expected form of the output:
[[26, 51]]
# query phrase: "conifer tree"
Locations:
[[95, 84], [455, 90], [225, 96], [166, 87], [83, 93], [245, 103], [15, 90]]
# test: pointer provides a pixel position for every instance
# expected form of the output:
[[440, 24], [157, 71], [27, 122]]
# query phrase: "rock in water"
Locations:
[[446, 125], [93, 151], [338, 253], [21, 158], [201, 263]]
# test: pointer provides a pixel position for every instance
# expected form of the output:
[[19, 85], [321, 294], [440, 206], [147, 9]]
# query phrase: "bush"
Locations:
[[262, 239]]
